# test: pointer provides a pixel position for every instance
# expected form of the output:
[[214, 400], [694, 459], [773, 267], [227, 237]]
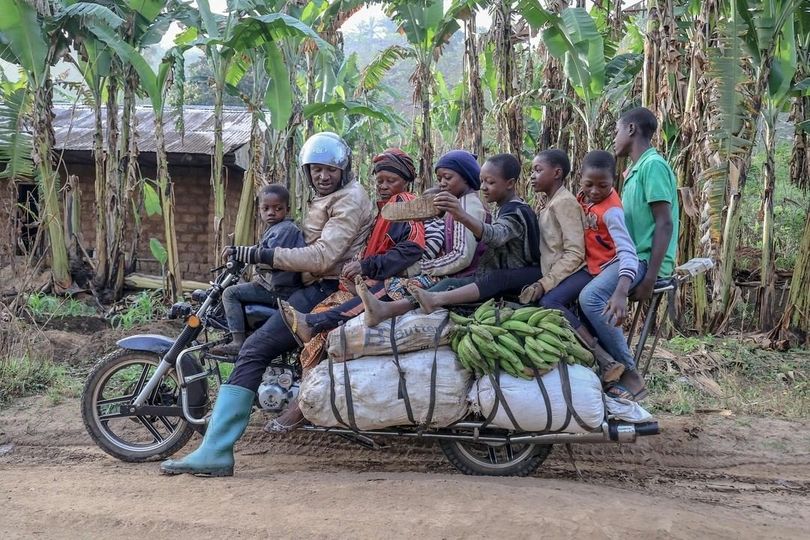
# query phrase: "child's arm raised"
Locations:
[[447, 202]]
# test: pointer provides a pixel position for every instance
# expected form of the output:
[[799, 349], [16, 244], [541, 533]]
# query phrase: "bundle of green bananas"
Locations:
[[519, 340]]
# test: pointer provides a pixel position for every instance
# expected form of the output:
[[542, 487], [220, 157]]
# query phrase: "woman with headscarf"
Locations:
[[392, 249], [458, 174]]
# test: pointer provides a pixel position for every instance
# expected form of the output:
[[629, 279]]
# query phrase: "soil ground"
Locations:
[[705, 476]]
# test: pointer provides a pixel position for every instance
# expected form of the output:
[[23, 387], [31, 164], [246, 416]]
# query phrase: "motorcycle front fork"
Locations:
[[164, 367]]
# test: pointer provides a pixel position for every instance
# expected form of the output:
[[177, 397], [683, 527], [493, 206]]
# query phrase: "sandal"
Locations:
[[277, 428], [620, 391], [287, 311], [526, 294]]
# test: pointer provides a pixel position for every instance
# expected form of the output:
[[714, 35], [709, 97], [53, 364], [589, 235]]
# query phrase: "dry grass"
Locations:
[[706, 374]]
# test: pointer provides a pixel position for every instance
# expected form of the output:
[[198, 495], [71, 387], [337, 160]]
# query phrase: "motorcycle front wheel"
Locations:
[[116, 380], [482, 459]]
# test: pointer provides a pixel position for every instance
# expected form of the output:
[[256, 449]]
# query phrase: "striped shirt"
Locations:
[[434, 239], [459, 256]]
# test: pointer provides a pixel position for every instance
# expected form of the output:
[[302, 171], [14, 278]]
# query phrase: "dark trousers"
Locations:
[[235, 297], [273, 338], [331, 319], [509, 281], [564, 294]]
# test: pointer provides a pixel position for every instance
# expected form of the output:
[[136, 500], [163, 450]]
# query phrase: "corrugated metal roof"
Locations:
[[74, 128]]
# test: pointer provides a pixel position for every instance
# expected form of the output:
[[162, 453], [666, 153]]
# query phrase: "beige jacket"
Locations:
[[335, 229], [562, 238]]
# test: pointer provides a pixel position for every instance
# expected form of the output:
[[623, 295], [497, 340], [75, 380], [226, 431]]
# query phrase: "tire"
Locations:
[[480, 459], [126, 371]]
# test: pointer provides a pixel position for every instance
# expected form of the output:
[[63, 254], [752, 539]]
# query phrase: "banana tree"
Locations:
[[427, 28], [156, 85], [753, 30], [218, 30], [783, 67], [94, 62], [34, 44], [573, 38]]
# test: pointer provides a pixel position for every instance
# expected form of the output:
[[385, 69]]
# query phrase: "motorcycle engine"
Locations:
[[277, 389]]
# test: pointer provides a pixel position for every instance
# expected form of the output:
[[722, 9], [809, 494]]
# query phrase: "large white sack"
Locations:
[[528, 407], [413, 331], [374, 383]]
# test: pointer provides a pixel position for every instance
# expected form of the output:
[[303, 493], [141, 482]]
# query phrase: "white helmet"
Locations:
[[326, 148]]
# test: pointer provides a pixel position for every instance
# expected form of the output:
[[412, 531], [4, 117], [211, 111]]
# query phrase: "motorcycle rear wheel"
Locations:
[[116, 380], [481, 459]]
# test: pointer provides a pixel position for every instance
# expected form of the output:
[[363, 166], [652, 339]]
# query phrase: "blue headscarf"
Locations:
[[464, 163]]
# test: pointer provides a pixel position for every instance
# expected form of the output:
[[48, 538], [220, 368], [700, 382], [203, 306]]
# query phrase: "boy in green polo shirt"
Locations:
[[651, 214]]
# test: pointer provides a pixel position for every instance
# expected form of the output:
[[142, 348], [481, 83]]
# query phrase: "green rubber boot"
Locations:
[[214, 457]]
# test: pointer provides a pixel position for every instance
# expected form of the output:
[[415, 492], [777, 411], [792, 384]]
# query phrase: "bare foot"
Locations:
[[376, 311], [425, 299], [296, 322]]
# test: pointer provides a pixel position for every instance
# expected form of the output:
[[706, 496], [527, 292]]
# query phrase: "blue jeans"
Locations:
[[592, 301], [273, 338]]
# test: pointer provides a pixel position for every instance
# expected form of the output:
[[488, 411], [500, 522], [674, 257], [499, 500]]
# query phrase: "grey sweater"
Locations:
[[512, 239]]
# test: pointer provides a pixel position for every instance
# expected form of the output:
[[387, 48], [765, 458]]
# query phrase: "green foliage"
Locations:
[[142, 308], [45, 306], [158, 251], [790, 209], [15, 143], [151, 199]]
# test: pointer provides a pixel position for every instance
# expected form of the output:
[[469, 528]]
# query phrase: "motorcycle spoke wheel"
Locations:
[[115, 382], [494, 459]]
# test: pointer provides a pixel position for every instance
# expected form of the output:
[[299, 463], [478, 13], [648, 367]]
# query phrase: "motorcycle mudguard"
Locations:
[[147, 342]]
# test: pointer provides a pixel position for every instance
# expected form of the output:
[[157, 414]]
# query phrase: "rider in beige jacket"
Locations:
[[335, 229]]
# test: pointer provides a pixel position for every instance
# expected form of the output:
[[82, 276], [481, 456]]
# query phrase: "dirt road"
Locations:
[[707, 476]]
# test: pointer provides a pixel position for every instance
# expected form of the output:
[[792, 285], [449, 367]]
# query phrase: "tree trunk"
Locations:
[[217, 180], [800, 155], [796, 317], [692, 159], [471, 134], [115, 200], [425, 178], [101, 196], [173, 279], [246, 215], [50, 214], [649, 72], [509, 119], [767, 282], [133, 181]]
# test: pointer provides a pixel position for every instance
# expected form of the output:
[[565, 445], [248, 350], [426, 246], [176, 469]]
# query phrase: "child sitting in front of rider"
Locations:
[[512, 258], [268, 286], [650, 202], [562, 233], [606, 241]]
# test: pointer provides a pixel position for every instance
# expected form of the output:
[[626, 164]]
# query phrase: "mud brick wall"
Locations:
[[193, 218]]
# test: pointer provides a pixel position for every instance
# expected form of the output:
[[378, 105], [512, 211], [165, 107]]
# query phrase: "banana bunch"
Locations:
[[520, 341]]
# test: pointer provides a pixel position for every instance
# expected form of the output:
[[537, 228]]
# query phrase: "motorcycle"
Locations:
[[145, 400]]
